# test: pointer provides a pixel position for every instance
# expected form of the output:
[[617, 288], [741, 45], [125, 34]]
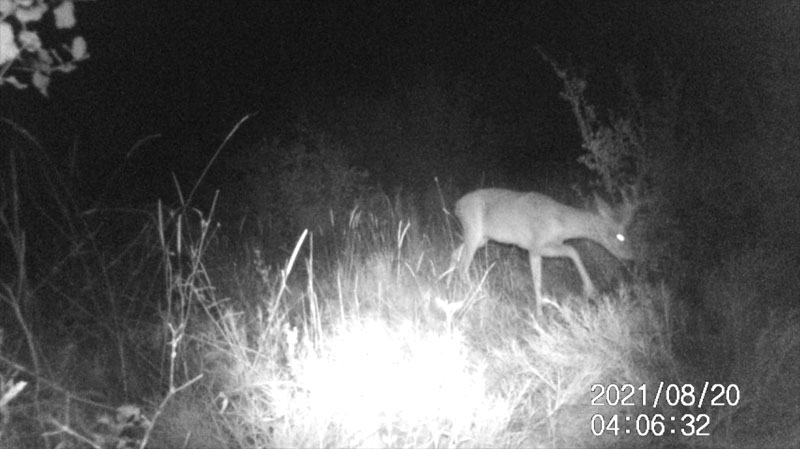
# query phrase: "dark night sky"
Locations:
[[190, 69]]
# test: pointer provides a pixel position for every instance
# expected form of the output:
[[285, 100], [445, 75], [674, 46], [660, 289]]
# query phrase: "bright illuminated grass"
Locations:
[[373, 385]]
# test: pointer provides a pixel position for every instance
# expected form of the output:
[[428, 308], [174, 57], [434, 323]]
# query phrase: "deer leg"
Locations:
[[563, 250], [470, 246], [455, 257], [536, 273], [588, 285]]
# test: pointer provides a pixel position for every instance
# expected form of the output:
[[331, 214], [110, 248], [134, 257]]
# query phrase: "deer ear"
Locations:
[[631, 201], [602, 207]]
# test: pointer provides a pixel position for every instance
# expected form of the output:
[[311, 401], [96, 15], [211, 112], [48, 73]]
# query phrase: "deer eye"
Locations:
[[620, 237]]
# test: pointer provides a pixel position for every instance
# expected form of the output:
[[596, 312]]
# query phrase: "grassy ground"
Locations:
[[178, 338]]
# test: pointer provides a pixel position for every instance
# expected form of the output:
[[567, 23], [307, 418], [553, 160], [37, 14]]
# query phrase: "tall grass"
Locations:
[[170, 340]]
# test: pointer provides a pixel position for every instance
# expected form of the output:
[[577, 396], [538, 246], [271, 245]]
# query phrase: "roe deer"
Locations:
[[540, 225]]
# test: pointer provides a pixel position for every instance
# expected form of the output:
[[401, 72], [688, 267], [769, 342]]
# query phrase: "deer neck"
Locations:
[[583, 225]]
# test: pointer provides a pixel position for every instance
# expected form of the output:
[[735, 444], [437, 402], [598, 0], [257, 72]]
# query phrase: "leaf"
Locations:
[[8, 48], [29, 40], [65, 15], [6, 6], [44, 57], [78, 49], [33, 13], [41, 81]]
